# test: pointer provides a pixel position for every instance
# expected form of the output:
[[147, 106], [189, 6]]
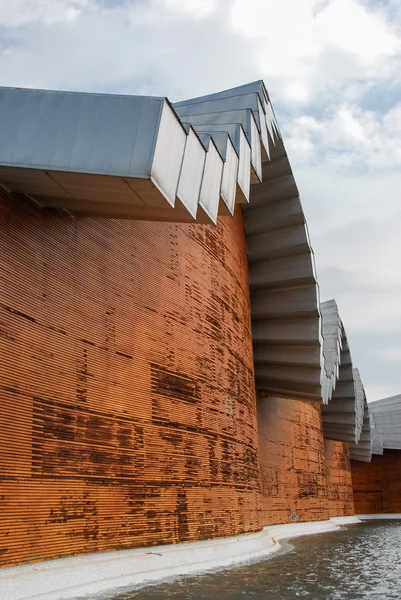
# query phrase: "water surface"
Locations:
[[360, 561]]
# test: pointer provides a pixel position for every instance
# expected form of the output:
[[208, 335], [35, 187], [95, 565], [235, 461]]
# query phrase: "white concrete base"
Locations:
[[346, 520], [383, 516], [110, 572]]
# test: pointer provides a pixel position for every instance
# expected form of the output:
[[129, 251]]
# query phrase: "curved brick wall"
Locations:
[[127, 384], [293, 468], [338, 475]]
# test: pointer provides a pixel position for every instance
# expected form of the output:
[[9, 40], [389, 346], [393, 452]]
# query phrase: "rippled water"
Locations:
[[361, 561]]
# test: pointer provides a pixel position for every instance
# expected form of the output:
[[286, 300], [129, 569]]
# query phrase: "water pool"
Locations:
[[360, 561]]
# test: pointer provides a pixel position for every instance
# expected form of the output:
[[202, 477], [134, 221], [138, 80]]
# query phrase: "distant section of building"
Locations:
[[377, 486], [386, 415]]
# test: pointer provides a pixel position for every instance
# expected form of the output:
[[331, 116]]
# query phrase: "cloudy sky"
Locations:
[[333, 70]]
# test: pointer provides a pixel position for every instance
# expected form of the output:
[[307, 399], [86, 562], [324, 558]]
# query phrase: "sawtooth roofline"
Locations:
[[135, 157]]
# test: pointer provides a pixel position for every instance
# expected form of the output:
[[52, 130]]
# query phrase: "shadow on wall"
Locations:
[[377, 485]]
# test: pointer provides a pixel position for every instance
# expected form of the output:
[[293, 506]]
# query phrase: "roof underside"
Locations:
[[345, 416], [362, 450], [283, 285], [342, 414]]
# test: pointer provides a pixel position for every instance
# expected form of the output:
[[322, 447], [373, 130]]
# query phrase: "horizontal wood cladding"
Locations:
[[126, 384], [292, 462], [377, 485], [339, 482]]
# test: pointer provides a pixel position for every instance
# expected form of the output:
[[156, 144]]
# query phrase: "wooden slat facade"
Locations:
[[339, 482], [128, 409], [292, 461], [127, 386]]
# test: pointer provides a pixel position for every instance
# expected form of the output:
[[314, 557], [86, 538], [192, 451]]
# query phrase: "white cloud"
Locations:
[[348, 138], [392, 120], [198, 9], [313, 46], [345, 128], [300, 134], [157, 47], [322, 60], [302, 48], [22, 12], [350, 26]]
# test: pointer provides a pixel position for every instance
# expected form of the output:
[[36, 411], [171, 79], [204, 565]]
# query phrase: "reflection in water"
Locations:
[[362, 561]]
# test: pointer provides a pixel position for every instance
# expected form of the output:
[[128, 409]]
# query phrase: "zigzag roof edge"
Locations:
[[363, 448], [144, 158], [342, 415], [386, 415]]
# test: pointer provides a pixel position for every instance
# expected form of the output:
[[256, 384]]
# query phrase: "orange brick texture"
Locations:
[[338, 476], [127, 391], [128, 413], [292, 461], [377, 485]]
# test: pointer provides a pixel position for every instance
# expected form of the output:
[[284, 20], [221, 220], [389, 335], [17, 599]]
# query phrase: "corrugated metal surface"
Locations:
[[342, 415], [127, 385], [377, 440], [255, 97], [93, 133], [192, 169], [229, 155], [332, 329], [56, 145], [209, 198], [229, 179], [60, 147], [168, 155], [287, 332], [387, 421], [202, 119], [362, 450]]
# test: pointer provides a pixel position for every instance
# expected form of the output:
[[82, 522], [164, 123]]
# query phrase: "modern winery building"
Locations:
[[168, 373]]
